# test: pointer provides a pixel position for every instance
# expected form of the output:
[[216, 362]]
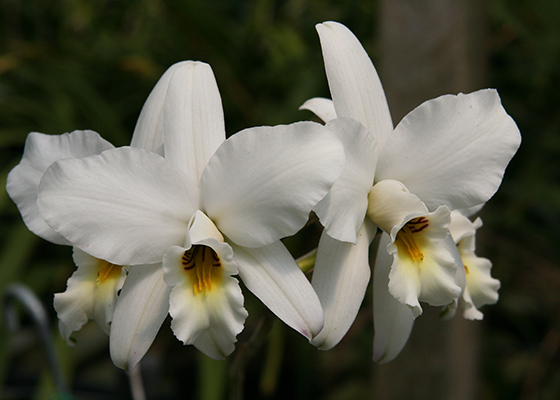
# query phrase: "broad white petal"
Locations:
[[193, 118], [343, 209], [469, 212], [127, 206], [273, 276], [39, 153], [392, 320], [355, 86], [261, 183], [321, 107], [142, 307], [340, 278], [148, 133], [91, 293], [452, 150], [206, 302]]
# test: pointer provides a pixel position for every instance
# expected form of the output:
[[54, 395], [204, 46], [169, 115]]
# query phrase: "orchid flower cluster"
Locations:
[[171, 223]]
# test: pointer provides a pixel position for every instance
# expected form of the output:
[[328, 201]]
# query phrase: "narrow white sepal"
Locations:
[[193, 118], [392, 320], [321, 107], [142, 307], [148, 132], [340, 278], [273, 276], [353, 81]]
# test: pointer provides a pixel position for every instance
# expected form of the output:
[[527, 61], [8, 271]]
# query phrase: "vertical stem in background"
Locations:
[[429, 48], [244, 353], [273, 364], [36, 311], [14, 255], [212, 378]]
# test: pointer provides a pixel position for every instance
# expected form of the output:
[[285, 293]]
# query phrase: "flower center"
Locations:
[[407, 238], [202, 264], [107, 271]]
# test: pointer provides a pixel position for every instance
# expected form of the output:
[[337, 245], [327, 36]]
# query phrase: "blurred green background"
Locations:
[[79, 64]]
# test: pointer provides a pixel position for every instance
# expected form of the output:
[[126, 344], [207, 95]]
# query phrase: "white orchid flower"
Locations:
[[92, 290], [448, 153], [397, 319], [425, 261], [210, 209]]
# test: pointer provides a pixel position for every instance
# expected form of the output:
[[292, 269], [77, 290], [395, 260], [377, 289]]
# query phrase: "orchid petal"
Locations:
[[215, 343], [452, 150], [207, 314], [261, 183], [321, 107], [142, 307], [427, 265], [126, 206], [41, 151], [438, 278], [273, 276], [461, 227], [469, 212], [354, 84], [392, 320], [148, 133], [193, 118], [340, 278], [481, 288], [343, 209], [91, 294]]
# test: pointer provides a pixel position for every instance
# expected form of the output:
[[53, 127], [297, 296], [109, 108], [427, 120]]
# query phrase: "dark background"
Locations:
[[79, 64]]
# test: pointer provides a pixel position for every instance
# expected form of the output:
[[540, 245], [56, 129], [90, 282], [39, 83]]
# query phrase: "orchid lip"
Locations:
[[201, 264], [407, 238], [107, 271]]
